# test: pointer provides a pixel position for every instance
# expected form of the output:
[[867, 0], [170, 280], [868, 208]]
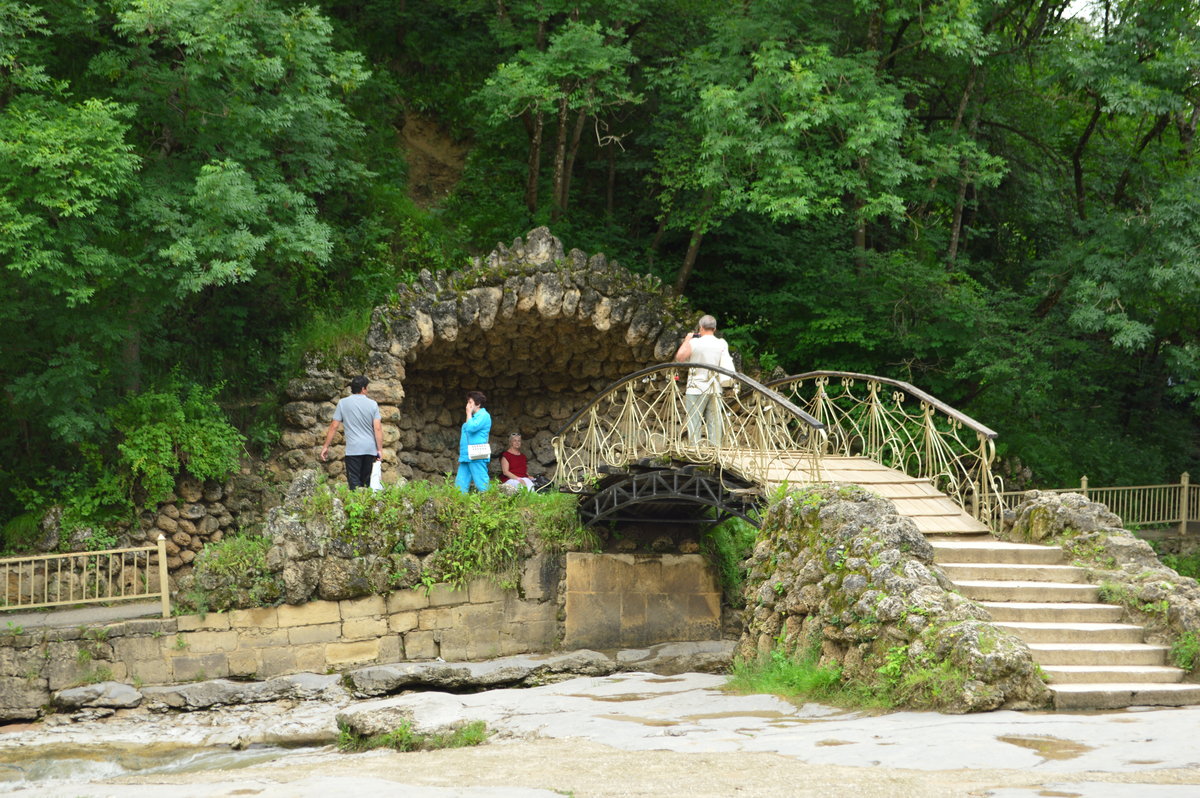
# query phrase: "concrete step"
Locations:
[[1114, 695], [1042, 632], [1049, 592], [1049, 612], [991, 550], [961, 524], [1098, 654], [1018, 572], [1127, 674]]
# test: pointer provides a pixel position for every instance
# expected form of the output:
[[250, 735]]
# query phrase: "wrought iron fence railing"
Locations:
[[86, 577], [902, 427], [1174, 504], [645, 416]]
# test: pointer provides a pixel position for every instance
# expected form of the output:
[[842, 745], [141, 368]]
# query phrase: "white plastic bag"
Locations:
[[376, 476]]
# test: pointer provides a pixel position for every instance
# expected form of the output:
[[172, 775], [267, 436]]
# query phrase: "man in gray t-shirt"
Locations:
[[364, 433]]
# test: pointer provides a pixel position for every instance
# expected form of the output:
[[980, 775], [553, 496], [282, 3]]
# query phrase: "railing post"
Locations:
[[1184, 487], [1083, 485], [163, 587]]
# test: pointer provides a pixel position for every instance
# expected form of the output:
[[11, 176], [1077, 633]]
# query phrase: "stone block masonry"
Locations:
[[619, 600], [476, 622]]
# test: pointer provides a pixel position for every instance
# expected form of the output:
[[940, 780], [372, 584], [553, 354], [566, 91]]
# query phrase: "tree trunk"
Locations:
[[956, 225], [652, 253], [689, 260], [963, 183], [576, 136], [535, 125], [1077, 160], [131, 354], [1160, 125], [610, 187], [560, 161]]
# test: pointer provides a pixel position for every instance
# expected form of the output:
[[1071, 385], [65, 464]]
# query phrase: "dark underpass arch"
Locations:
[[677, 494]]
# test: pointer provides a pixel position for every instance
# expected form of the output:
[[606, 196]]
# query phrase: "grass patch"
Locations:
[[95, 676], [799, 677], [330, 336], [902, 680], [19, 533], [920, 682], [403, 738]]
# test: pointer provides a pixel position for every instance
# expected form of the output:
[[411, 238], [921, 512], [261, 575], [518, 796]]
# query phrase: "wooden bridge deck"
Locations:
[[932, 511]]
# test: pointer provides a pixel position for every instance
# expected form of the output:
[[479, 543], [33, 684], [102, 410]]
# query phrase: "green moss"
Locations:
[[404, 739]]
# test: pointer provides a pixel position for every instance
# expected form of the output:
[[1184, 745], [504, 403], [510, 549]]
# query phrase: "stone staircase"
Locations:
[[1091, 659]]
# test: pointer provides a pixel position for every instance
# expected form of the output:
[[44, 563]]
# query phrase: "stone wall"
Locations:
[[204, 512], [476, 622], [620, 600], [538, 330]]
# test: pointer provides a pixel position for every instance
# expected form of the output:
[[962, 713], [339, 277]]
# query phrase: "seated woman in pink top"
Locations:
[[513, 465]]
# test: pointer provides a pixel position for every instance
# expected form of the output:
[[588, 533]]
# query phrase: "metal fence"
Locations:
[[1139, 505], [86, 577]]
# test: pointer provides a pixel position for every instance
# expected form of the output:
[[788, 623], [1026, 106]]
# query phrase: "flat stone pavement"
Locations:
[[93, 615], [638, 734]]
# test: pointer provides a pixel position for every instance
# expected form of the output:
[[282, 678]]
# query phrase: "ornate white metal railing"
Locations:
[[902, 427], [644, 416], [86, 577]]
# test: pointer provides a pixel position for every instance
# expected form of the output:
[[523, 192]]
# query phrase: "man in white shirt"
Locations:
[[702, 400]]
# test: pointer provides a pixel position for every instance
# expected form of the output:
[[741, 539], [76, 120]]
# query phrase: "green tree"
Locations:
[[155, 156]]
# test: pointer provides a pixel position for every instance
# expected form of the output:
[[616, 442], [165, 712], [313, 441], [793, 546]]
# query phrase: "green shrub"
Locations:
[[155, 435], [486, 532], [233, 573], [177, 427], [1183, 564], [727, 545], [1185, 651]]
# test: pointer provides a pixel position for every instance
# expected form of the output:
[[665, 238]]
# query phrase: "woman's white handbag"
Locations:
[[479, 451]]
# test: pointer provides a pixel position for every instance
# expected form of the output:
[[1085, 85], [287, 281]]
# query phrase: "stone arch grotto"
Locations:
[[538, 330]]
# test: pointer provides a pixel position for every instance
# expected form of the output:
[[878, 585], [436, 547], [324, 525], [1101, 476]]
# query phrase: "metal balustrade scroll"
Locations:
[[643, 417], [902, 427]]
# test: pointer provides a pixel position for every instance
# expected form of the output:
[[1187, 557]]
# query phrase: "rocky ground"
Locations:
[[623, 734]]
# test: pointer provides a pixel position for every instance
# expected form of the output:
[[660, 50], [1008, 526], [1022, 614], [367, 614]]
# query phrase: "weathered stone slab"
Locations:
[[384, 679], [103, 694], [670, 659]]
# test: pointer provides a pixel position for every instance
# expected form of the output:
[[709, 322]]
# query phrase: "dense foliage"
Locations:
[[993, 199]]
